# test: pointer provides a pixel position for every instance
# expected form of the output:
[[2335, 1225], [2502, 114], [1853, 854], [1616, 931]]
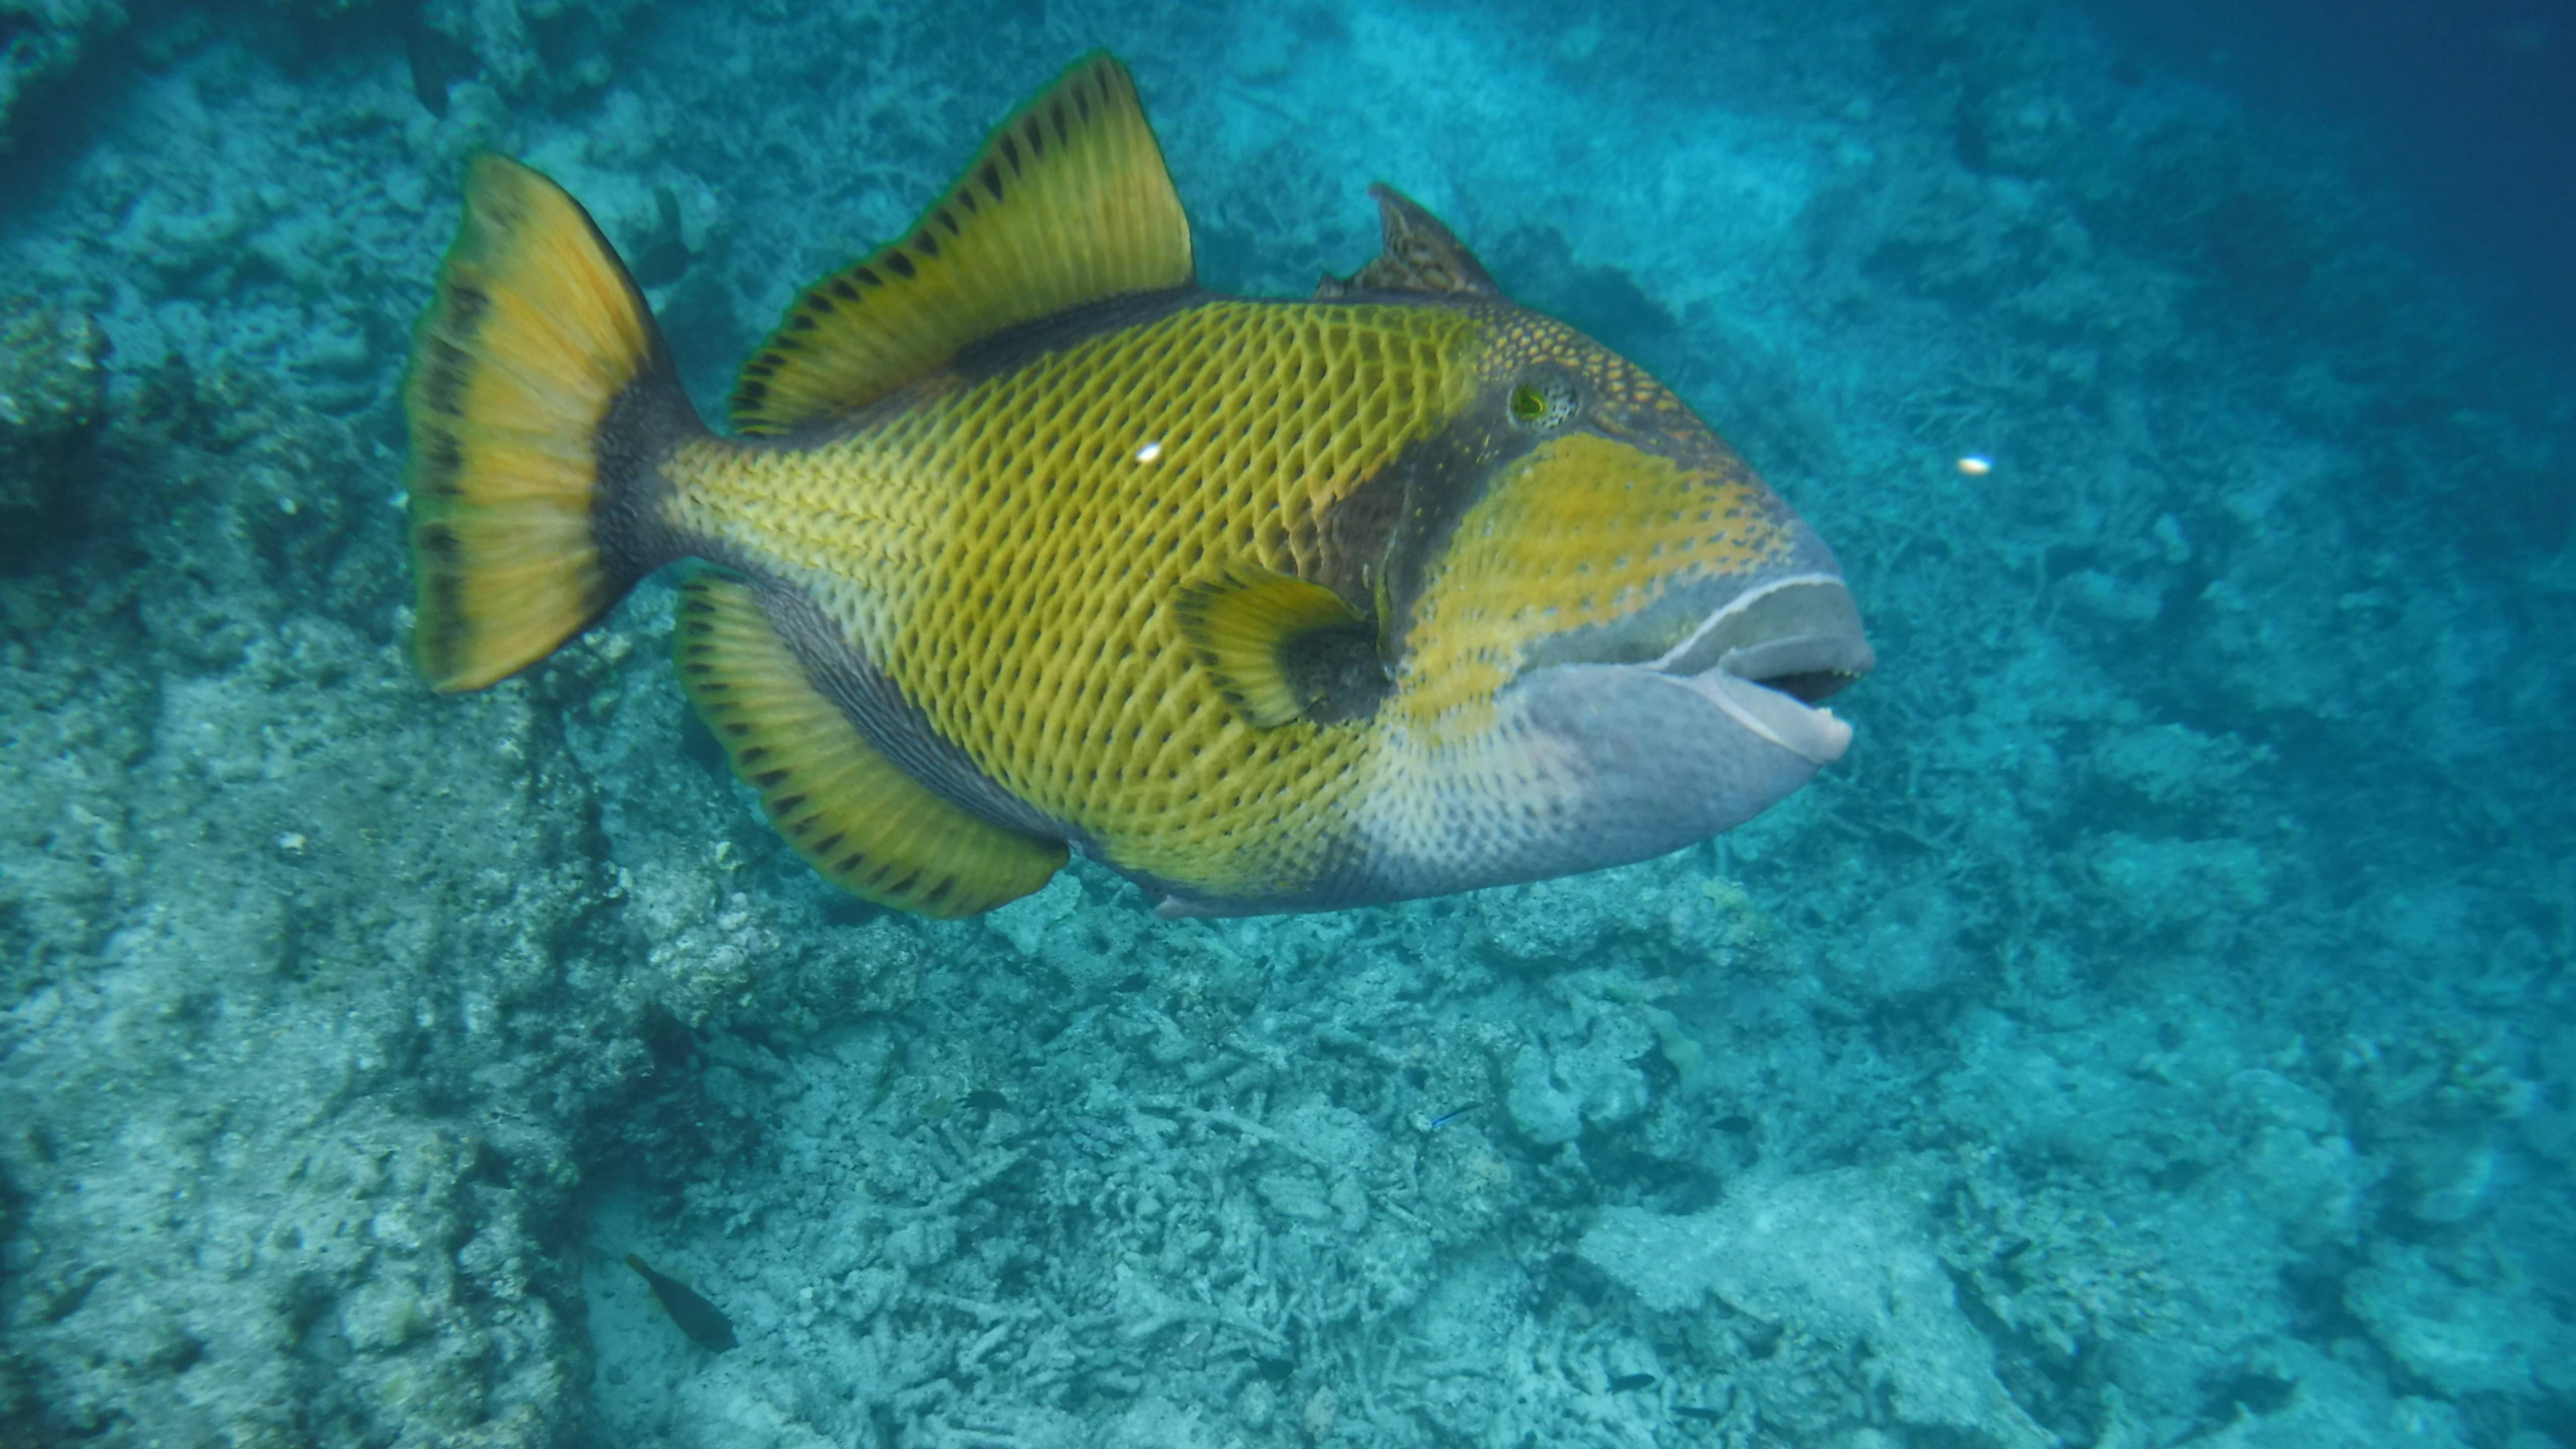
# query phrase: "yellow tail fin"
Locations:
[[541, 401]]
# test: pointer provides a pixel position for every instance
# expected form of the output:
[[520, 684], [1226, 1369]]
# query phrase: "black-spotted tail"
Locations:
[[542, 403]]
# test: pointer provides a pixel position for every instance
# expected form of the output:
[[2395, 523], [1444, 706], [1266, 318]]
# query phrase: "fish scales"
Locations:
[[1022, 543], [998, 547]]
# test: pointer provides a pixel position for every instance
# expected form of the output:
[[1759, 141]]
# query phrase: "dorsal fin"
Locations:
[[1067, 203], [1416, 254]]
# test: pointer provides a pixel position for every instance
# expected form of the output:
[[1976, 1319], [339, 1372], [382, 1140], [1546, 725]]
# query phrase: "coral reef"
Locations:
[[41, 41], [1833, 1269], [53, 396], [2157, 1031]]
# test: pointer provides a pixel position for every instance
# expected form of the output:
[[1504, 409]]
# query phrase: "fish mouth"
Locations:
[[1771, 655]]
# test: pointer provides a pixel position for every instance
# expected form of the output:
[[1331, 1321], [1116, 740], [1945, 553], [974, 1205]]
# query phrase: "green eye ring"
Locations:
[[1542, 403]]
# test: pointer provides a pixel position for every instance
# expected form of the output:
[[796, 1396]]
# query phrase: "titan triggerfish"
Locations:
[[1020, 541]]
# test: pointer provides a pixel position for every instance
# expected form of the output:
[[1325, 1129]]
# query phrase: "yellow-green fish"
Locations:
[[1021, 541]]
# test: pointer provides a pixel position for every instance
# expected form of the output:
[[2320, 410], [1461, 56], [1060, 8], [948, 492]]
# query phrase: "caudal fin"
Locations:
[[542, 402]]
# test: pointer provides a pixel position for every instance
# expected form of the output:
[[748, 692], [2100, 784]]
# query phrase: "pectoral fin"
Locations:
[[1281, 647]]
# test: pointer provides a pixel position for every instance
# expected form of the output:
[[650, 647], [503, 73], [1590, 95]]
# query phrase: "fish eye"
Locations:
[[1541, 402]]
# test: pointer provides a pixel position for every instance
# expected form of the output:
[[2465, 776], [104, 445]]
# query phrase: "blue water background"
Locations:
[[2467, 108], [2157, 1031]]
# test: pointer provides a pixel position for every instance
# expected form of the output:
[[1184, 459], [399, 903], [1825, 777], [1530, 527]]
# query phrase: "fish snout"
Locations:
[[1815, 735], [1768, 657], [1601, 762], [1654, 755]]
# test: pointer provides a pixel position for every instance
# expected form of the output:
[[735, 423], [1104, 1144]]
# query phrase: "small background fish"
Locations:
[[703, 1322]]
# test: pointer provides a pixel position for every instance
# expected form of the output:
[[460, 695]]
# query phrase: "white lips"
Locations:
[[1813, 735], [1738, 605]]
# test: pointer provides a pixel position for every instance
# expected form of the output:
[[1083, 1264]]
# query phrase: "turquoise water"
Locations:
[[2156, 1030]]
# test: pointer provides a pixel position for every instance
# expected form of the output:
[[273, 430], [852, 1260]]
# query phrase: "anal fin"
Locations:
[[858, 817]]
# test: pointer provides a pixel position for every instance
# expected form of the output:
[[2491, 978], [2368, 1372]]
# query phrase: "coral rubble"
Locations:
[[2157, 1031]]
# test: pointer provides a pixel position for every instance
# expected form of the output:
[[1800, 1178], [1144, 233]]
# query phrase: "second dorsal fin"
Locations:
[[1417, 254], [1067, 203]]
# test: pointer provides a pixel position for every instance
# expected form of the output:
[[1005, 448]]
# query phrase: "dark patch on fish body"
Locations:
[[1339, 669], [627, 513], [1007, 352], [1420, 497]]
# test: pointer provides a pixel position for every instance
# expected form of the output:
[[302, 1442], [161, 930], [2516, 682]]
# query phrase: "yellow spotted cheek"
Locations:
[[1583, 532]]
